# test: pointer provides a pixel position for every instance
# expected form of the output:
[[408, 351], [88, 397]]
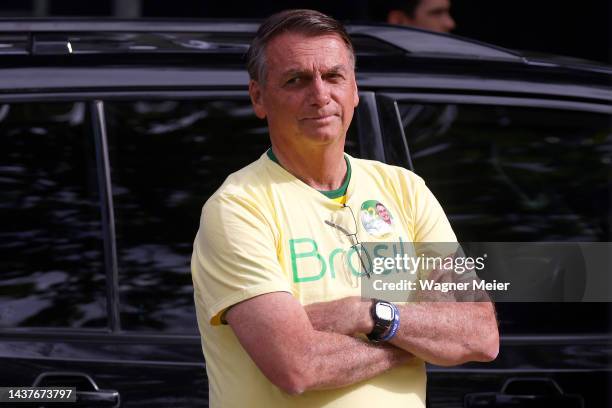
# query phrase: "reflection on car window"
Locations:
[[514, 173], [51, 240], [167, 158]]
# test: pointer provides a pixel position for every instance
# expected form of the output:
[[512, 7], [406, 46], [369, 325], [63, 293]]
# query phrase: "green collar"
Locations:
[[327, 193]]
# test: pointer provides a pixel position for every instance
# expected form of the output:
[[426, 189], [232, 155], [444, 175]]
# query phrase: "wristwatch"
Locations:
[[386, 321]]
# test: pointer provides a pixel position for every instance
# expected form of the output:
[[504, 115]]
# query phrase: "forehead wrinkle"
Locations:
[[337, 68], [302, 71]]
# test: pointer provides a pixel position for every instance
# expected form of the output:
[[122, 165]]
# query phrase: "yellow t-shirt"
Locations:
[[264, 231]]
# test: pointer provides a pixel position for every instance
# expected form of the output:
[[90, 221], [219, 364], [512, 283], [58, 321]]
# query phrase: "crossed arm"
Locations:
[[441, 333], [303, 348], [277, 333]]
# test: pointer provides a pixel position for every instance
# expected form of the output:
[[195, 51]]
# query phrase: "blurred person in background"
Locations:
[[433, 15]]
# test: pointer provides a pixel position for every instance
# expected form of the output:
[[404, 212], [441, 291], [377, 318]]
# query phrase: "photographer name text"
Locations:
[[429, 285]]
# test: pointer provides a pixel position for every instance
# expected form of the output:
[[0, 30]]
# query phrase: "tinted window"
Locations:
[[519, 174], [514, 173], [51, 239], [167, 158]]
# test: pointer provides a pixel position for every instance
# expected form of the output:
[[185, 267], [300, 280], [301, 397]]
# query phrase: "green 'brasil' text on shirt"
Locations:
[[264, 231]]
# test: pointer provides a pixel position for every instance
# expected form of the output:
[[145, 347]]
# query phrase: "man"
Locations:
[[433, 15], [282, 323]]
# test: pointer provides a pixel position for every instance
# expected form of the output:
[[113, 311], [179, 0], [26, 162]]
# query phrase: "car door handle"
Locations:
[[87, 391], [520, 392]]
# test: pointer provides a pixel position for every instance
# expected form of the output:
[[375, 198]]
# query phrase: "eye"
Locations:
[[336, 76], [293, 81]]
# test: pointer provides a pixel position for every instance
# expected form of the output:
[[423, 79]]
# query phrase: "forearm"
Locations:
[[448, 333], [336, 360], [295, 355], [442, 333]]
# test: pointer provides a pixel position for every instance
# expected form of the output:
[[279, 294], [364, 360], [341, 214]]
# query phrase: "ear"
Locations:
[[256, 99], [356, 97]]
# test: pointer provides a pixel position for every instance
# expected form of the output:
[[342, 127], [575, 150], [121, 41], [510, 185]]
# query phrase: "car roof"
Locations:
[[81, 43], [36, 33]]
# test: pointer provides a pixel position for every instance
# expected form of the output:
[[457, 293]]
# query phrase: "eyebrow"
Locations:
[[439, 10], [298, 71]]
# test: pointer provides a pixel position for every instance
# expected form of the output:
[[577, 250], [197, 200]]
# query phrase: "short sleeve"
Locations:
[[434, 234], [234, 256], [431, 223]]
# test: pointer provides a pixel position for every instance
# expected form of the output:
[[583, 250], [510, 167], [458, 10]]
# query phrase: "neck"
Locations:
[[322, 168]]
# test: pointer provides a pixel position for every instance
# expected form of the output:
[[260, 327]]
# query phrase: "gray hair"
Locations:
[[307, 22]]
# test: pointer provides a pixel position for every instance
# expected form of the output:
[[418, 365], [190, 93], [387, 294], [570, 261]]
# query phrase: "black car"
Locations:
[[114, 133]]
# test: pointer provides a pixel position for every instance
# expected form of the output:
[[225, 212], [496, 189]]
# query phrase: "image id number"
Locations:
[[37, 394]]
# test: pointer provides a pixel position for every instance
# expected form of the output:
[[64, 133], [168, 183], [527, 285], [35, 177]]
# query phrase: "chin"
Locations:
[[324, 136], [323, 139]]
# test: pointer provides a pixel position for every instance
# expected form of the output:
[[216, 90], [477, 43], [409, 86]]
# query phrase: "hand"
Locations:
[[348, 316]]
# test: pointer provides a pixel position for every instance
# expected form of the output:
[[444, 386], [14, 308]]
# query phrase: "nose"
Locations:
[[449, 23], [319, 92]]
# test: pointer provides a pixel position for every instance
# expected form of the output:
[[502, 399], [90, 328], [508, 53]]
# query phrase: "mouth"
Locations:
[[319, 119]]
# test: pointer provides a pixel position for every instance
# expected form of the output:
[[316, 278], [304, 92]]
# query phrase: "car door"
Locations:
[[517, 169], [102, 202], [54, 303]]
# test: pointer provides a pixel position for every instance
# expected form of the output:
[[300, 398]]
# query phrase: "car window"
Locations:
[[167, 157], [507, 173], [51, 240]]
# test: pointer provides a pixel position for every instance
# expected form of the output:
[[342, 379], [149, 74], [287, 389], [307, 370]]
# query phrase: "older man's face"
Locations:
[[309, 93]]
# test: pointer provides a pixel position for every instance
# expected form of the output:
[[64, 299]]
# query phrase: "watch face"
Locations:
[[384, 312]]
